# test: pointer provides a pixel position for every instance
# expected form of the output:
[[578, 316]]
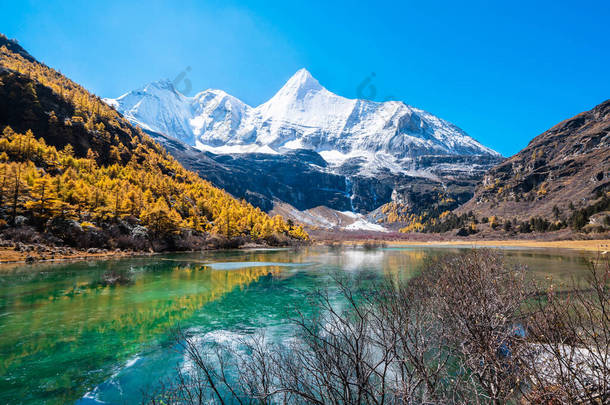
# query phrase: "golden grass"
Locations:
[[9, 255], [599, 245]]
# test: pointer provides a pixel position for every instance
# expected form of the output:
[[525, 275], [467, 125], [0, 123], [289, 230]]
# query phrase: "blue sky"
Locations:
[[502, 71]]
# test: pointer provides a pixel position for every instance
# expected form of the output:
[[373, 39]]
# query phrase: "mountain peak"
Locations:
[[163, 84], [300, 84], [302, 74]]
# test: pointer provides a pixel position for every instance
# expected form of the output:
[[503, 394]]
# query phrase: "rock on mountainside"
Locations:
[[569, 163]]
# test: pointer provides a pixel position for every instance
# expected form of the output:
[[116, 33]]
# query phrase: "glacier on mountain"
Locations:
[[303, 114]]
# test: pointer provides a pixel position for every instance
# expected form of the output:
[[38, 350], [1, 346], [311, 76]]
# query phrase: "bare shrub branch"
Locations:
[[468, 330]]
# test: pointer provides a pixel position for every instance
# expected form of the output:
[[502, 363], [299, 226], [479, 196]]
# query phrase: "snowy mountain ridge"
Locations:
[[301, 115]]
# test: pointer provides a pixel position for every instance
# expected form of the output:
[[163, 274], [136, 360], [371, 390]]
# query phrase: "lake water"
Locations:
[[67, 338]]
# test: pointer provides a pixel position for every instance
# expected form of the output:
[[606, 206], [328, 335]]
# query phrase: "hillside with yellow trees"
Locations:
[[73, 171]]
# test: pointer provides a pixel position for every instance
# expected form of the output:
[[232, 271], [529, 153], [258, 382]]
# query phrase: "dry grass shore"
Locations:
[[599, 245], [10, 255], [23, 253]]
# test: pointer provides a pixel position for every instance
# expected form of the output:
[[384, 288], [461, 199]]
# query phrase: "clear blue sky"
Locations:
[[504, 71]]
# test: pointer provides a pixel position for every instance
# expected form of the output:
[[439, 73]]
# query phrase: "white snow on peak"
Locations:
[[158, 107], [300, 83], [302, 114]]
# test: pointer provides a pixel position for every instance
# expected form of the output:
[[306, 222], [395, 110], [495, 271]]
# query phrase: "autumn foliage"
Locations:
[[65, 153]]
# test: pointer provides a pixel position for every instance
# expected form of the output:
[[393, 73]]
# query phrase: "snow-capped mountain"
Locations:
[[308, 147], [301, 115]]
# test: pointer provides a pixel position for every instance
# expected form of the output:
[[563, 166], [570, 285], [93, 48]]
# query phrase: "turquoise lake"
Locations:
[[65, 337]]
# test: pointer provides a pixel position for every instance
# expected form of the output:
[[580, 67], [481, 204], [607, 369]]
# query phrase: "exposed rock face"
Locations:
[[568, 163], [298, 177], [68, 230], [302, 179]]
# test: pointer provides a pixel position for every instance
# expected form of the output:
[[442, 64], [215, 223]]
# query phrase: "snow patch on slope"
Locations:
[[327, 218], [362, 224]]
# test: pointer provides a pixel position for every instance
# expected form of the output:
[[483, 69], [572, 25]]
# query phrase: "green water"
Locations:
[[67, 338]]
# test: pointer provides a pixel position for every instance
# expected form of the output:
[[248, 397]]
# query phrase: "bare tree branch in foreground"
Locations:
[[468, 330]]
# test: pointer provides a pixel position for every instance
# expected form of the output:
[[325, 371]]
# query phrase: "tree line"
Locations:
[[40, 182]]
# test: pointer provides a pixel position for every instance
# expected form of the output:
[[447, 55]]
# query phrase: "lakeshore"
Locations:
[[9, 255], [26, 254]]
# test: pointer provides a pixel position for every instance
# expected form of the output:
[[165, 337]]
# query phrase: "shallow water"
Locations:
[[65, 337]]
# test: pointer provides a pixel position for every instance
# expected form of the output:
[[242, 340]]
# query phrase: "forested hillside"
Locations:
[[74, 171]]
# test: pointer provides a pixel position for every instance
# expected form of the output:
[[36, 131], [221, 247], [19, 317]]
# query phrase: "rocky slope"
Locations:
[[303, 179], [262, 179], [568, 165]]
